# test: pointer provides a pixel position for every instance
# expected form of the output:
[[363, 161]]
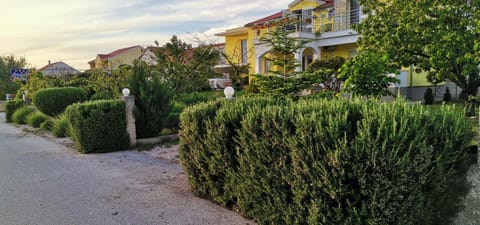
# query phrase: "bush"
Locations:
[[98, 126], [197, 97], [447, 96], [59, 126], [102, 96], [316, 161], [47, 125], [428, 97], [21, 114], [52, 101], [36, 119], [173, 120], [11, 107], [152, 101]]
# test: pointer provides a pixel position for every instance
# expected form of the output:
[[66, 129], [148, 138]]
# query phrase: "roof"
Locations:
[[50, 69], [234, 31], [292, 4], [48, 65], [114, 53], [265, 19], [118, 52], [328, 4]]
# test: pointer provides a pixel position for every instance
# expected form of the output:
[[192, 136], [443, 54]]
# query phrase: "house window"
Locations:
[[266, 66], [244, 52]]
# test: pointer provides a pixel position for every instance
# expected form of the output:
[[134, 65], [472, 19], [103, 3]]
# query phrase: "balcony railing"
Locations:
[[313, 25], [337, 22]]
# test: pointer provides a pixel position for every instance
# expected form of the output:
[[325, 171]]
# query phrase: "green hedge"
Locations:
[[11, 107], [316, 161], [36, 119], [20, 115], [98, 126], [53, 101]]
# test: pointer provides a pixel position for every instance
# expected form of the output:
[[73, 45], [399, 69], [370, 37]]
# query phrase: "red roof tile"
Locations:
[[117, 52], [265, 19]]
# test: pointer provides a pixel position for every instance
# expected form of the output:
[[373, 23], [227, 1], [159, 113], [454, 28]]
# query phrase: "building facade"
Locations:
[[58, 69], [117, 58], [328, 26]]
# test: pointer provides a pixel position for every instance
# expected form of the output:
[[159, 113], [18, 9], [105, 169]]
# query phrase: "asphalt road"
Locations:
[[45, 183]]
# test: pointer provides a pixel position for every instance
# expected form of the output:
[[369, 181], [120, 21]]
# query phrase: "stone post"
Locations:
[[129, 104]]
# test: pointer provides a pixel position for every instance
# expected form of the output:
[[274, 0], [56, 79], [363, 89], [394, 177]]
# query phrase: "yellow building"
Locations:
[[113, 60], [327, 25]]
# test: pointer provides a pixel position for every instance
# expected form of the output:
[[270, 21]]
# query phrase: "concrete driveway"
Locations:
[[44, 183]]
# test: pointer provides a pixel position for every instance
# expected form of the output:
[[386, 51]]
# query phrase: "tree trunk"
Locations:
[[470, 89]]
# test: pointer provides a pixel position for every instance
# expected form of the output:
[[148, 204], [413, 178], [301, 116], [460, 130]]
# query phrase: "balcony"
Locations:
[[311, 27]]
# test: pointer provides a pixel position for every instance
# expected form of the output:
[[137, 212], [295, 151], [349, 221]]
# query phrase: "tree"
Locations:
[[238, 69], [7, 63], [37, 81], [283, 47], [440, 37], [108, 84], [183, 68], [367, 74], [152, 100], [285, 80], [324, 71]]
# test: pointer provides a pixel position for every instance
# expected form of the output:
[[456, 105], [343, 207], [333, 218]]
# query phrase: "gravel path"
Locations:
[[43, 182]]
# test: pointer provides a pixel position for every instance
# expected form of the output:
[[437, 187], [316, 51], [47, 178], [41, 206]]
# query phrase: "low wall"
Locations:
[[417, 93]]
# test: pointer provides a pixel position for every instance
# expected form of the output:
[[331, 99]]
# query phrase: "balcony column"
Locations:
[[258, 62], [298, 58]]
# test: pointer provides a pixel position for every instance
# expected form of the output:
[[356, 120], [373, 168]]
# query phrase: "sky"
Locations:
[[75, 31]]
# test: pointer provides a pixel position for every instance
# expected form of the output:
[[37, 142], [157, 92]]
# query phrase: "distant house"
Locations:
[[58, 69], [113, 60], [149, 55]]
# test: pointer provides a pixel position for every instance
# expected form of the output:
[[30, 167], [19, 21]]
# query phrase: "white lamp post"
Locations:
[[126, 92], [229, 91]]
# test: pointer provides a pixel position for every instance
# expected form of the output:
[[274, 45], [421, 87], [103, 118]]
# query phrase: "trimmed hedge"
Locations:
[[11, 107], [53, 101], [36, 119], [20, 115], [316, 161], [59, 126], [98, 126]]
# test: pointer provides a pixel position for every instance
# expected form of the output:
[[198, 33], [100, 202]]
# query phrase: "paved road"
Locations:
[[44, 183]]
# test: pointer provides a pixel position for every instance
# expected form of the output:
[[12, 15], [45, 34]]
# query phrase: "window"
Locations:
[[244, 47], [266, 66]]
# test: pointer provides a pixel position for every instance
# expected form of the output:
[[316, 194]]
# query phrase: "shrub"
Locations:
[[59, 126], [11, 107], [52, 101], [428, 97], [98, 126], [21, 114], [447, 96], [173, 120], [316, 161], [102, 96], [36, 119], [152, 101], [367, 74], [47, 124], [197, 97]]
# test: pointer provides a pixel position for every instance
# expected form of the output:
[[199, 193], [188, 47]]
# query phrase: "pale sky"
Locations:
[[75, 31]]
